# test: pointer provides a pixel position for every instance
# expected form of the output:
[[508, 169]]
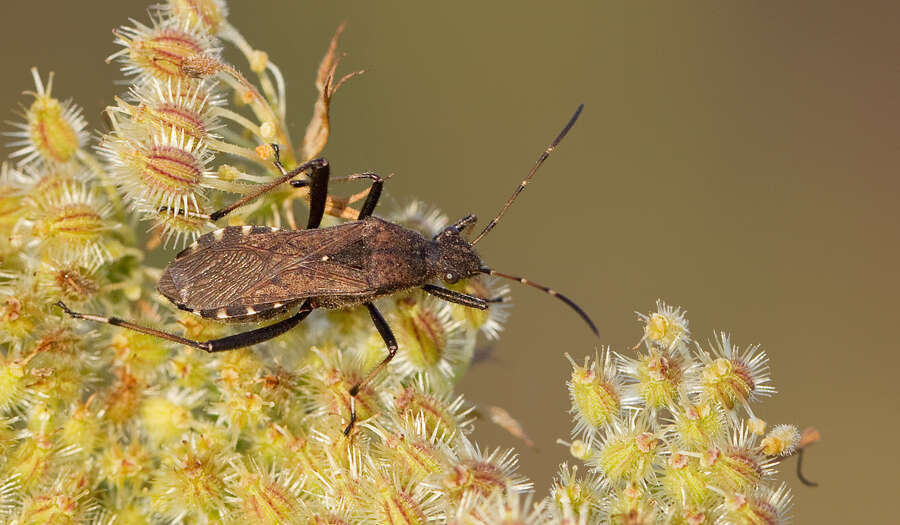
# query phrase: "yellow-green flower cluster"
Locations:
[[103, 425], [99, 425], [669, 436]]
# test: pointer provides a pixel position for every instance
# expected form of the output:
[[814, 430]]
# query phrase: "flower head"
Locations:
[[161, 49], [732, 377], [53, 131], [596, 393], [165, 173], [667, 328]]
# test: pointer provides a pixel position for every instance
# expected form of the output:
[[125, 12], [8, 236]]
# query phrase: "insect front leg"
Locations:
[[230, 342], [456, 297], [391, 342]]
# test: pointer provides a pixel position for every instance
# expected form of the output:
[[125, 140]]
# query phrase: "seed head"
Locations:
[[762, 505], [667, 328], [683, 481], [596, 394], [628, 452], [483, 473], [162, 106], [53, 131], [264, 497], [124, 396], [82, 429], [124, 465], [385, 500], [697, 426], [71, 225], [67, 500], [657, 377], [15, 380], [206, 15], [166, 417], [632, 506], [509, 508], [431, 341], [732, 377], [580, 497], [414, 453], [142, 354], [782, 441], [489, 322], [73, 283], [168, 171], [328, 389], [160, 50], [738, 465], [442, 413], [191, 483]]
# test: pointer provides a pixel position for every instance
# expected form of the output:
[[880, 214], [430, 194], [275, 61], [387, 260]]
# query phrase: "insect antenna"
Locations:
[[550, 291], [541, 159]]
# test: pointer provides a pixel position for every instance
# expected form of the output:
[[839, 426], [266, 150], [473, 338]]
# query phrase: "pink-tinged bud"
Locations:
[[628, 452], [441, 414], [759, 506], [164, 175], [732, 377], [739, 465], [160, 51], [483, 474], [266, 498], [163, 106], [657, 376]]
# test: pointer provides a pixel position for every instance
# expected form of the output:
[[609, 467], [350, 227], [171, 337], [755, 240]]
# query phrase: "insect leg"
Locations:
[[318, 191], [455, 297], [230, 342], [312, 166], [391, 342], [374, 192]]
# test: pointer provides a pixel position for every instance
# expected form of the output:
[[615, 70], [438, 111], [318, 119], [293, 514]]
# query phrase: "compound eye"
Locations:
[[451, 277]]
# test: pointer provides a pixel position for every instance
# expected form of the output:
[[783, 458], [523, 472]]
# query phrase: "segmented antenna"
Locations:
[[541, 159], [550, 291]]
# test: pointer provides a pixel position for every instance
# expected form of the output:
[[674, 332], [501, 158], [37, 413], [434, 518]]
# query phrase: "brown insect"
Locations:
[[250, 273]]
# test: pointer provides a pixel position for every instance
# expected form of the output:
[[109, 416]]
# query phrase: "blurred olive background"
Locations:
[[736, 158]]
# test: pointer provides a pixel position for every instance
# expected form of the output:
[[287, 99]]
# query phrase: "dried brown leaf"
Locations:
[[504, 420], [318, 129]]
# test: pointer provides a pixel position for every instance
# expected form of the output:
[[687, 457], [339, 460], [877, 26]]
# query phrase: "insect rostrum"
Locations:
[[250, 273]]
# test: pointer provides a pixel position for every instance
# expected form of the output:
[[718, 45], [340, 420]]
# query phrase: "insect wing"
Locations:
[[234, 268]]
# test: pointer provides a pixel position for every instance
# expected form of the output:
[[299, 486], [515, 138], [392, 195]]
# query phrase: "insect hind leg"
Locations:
[[230, 342], [391, 342]]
